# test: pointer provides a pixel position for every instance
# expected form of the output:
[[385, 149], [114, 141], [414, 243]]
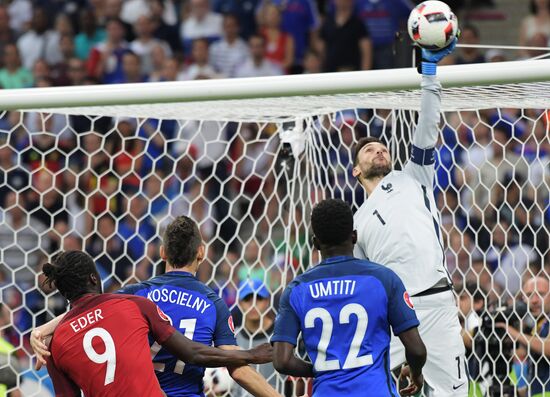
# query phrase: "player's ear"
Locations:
[[201, 253], [316, 243], [162, 253], [356, 172], [354, 237]]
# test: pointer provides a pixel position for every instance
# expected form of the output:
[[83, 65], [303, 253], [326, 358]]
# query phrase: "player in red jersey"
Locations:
[[101, 345]]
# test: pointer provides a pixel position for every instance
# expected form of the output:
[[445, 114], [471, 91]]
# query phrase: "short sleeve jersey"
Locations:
[[344, 308], [101, 347], [197, 312]]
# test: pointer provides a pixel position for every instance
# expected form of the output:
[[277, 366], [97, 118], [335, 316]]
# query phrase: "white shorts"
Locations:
[[445, 369]]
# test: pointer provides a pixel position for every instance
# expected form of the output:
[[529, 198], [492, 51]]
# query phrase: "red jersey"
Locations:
[[102, 348]]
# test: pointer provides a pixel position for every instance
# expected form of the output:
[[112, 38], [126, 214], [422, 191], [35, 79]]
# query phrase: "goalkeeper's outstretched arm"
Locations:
[[421, 163]]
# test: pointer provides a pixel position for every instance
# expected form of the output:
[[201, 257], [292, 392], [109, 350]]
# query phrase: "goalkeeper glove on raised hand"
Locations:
[[430, 58]]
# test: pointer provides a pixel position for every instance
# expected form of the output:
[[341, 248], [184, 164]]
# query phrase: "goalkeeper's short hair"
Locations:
[[362, 142], [332, 222]]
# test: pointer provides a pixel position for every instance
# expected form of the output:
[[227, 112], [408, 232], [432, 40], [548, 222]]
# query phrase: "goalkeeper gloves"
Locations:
[[430, 58]]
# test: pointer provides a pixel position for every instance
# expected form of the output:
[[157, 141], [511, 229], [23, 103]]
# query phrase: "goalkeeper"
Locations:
[[398, 226]]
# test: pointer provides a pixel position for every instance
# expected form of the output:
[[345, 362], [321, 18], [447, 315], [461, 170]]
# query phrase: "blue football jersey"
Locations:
[[344, 308], [198, 313]]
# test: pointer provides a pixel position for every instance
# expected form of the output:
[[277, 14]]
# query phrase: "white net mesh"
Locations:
[[110, 184]]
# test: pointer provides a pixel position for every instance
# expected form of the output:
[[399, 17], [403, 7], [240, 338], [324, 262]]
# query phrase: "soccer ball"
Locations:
[[217, 381], [432, 25]]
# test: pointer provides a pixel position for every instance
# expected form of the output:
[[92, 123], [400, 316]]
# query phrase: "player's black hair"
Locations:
[[181, 241], [332, 222], [362, 142], [70, 272]]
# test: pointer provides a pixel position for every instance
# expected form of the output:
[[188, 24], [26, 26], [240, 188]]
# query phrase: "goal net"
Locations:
[[106, 168]]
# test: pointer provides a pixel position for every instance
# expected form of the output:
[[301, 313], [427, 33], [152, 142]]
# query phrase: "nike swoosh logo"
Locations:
[[458, 387]]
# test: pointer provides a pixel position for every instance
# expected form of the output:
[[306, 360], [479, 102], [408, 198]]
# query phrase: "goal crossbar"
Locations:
[[523, 84]]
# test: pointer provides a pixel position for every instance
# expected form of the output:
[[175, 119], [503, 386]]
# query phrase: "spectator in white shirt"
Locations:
[[200, 68], [229, 52], [145, 42], [39, 42], [133, 9], [20, 14], [257, 65], [201, 23]]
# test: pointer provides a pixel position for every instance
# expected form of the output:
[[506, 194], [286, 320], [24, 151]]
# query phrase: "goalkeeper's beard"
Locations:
[[377, 171]]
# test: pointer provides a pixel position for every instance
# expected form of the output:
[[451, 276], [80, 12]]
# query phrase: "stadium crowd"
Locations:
[[107, 185]]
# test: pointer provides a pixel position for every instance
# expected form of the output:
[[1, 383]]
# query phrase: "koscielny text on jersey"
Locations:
[[179, 298]]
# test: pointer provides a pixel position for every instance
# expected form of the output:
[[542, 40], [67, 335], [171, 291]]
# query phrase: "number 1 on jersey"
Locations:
[[382, 221], [189, 325]]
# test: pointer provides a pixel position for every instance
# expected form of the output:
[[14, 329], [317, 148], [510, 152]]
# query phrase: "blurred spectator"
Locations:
[[534, 334], [145, 42], [469, 35], [279, 45], [170, 70], [9, 364], [132, 10], [538, 22], [90, 34], [111, 9], [471, 305], [7, 35], [244, 11], [300, 19], [105, 61], [159, 57], [131, 69], [39, 41], [537, 40], [257, 65], [257, 327], [76, 71], [23, 239], [383, 19], [200, 23], [13, 177], [492, 172], [13, 75], [229, 52], [495, 56], [63, 25], [20, 15], [200, 68], [59, 71], [41, 70], [344, 40], [162, 30], [312, 62], [508, 259]]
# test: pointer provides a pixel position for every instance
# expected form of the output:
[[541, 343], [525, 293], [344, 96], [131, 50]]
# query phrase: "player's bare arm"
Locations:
[[249, 379], [415, 352], [199, 354], [40, 337], [286, 362]]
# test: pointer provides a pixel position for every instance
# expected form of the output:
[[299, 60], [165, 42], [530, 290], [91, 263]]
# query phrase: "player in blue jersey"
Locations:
[[195, 310], [344, 308]]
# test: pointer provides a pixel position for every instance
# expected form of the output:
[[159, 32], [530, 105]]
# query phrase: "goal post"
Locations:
[[105, 168]]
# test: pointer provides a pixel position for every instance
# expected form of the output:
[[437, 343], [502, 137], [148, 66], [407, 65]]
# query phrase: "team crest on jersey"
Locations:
[[407, 299], [231, 324], [163, 315]]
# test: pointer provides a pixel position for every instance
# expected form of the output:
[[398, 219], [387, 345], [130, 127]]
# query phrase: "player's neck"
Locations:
[[192, 268], [371, 183], [345, 249]]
